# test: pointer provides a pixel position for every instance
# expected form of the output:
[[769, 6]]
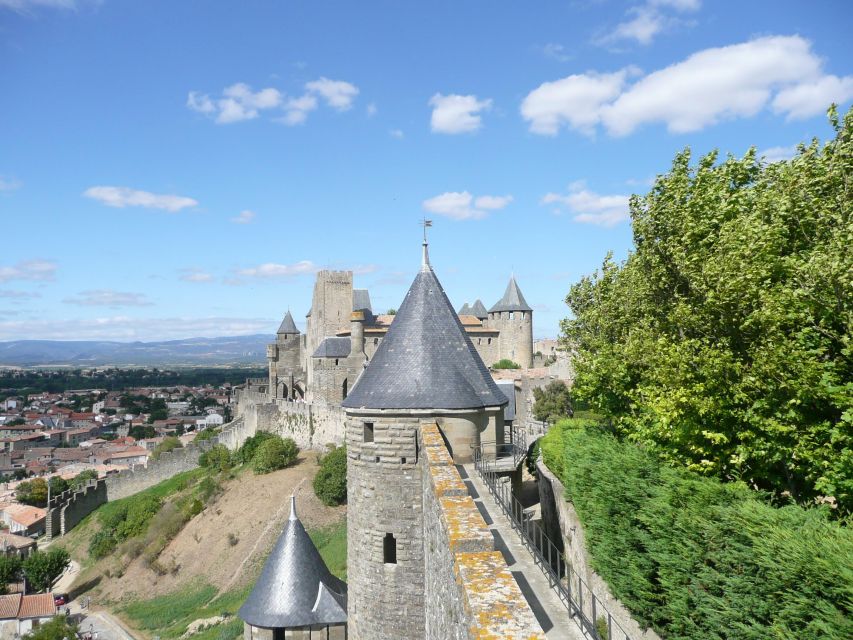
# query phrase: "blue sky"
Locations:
[[176, 169]]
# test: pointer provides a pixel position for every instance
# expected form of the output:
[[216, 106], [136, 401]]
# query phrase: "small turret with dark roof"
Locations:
[[478, 310], [512, 300], [295, 589], [465, 310], [287, 325]]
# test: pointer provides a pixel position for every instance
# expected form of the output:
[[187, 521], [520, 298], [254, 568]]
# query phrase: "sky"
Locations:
[[171, 169]]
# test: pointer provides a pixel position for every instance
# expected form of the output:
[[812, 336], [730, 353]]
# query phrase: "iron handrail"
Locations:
[[570, 587]]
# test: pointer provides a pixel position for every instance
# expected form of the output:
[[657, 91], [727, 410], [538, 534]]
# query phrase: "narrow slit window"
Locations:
[[389, 549], [368, 432]]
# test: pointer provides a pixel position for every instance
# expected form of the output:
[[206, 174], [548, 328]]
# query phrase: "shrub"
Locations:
[[691, 556], [102, 544], [82, 478], [57, 628], [206, 434], [330, 483], [170, 443], [552, 403], [217, 458], [246, 452], [274, 453], [506, 363]]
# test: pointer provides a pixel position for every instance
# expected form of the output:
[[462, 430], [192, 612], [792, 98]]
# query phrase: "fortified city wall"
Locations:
[[472, 592]]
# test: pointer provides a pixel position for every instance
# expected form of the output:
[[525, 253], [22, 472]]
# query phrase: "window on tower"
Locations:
[[389, 549], [368, 432]]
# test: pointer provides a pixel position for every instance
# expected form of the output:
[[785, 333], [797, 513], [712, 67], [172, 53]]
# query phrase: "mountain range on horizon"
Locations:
[[236, 350]]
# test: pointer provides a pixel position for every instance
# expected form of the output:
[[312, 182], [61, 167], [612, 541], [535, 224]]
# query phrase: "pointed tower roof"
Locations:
[[465, 310], [478, 309], [287, 325], [295, 588], [513, 299], [426, 360]]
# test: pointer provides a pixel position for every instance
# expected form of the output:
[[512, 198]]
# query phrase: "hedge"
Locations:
[[696, 558]]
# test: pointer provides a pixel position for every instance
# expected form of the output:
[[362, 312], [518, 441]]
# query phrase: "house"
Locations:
[[130, 456], [23, 519], [76, 436], [20, 614], [15, 545]]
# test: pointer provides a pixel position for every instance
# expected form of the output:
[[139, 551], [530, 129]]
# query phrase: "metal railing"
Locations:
[[579, 599]]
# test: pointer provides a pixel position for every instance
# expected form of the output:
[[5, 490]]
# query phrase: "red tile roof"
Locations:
[[9, 605], [39, 605]]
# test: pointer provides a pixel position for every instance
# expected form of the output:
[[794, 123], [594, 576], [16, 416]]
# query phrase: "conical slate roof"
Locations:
[[465, 310], [478, 309], [426, 360], [513, 300], [295, 588], [287, 325]]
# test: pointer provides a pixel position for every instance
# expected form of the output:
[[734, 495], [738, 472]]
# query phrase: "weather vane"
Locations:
[[426, 223]]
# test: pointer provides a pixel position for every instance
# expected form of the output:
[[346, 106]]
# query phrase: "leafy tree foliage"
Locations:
[[699, 559], [42, 568], [157, 410], [170, 443], [140, 432], [273, 454], [247, 451], [723, 343], [122, 520], [552, 403], [57, 628], [506, 363], [32, 492], [10, 571], [82, 478], [217, 457], [330, 483]]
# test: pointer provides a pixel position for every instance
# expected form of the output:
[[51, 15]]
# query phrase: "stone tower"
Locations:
[[285, 359], [513, 317], [426, 370], [331, 306]]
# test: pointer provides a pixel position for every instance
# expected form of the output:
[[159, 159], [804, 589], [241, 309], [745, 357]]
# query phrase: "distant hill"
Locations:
[[82, 353]]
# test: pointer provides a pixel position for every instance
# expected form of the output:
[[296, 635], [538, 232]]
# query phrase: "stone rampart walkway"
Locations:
[[547, 606]]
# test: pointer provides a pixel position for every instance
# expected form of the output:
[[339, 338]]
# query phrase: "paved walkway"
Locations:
[[547, 606]]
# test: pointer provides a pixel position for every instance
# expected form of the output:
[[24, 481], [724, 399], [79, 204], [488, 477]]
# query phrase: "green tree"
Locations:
[[82, 478], [217, 457], [273, 454], [32, 492], [10, 571], [140, 432], [330, 483], [42, 568], [58, 485], [506, 363], [723, 343], [552, 403], [170, 443], [157, 410], [57, 628]]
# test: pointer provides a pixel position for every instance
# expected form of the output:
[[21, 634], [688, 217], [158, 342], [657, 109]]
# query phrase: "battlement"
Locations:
[[474, 595]]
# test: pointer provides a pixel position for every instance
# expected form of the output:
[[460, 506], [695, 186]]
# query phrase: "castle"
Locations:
[[343, 334]]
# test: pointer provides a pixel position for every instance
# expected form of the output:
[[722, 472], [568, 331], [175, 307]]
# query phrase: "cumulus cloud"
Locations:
[[646, 21], [194, 274], [131, 328], [108, 298], [122, 197], [275, 270], [9, 184], [336, 93], [244, 217], [716, 84], [32, 270], [239, 102], [777, 154], [457, 114], [588, 206], [464, 206]]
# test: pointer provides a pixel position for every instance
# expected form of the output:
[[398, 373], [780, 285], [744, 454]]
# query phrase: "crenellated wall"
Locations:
[[472, 593]]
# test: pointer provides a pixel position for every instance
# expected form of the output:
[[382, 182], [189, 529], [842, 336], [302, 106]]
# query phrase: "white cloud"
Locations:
[[274, 270], [776, 154], [337, 93], [125, 197], [131, 328], [372, 110], [9, 184], [237, 103], [244, 217], [457, 114], [193, 274], [589, 207], [648, 20], [576, 101], [33, 270], [396, 133], [26, 6], [556, 52], [715, 84], [463, 206], [108, 298], [297, 110], [17, 295], [364, 269]]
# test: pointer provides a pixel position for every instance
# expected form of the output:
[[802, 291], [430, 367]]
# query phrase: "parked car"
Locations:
[[60, 599]]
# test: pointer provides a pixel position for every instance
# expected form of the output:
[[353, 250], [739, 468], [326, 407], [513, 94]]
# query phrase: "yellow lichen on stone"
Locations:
[[431, 436], [438, 455], [446, 481], [466, 529], [496, 606]]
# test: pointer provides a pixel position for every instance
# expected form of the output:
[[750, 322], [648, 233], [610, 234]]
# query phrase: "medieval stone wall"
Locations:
[[516, 336]]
